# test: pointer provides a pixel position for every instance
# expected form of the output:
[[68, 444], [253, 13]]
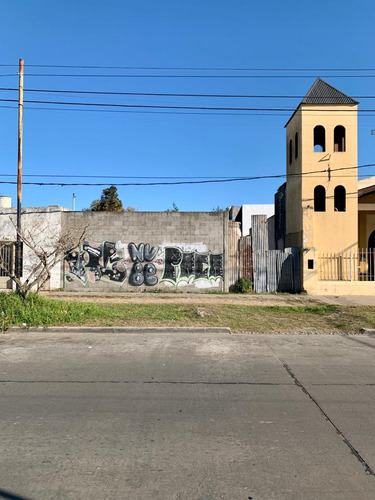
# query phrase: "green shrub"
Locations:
[[243, 285]]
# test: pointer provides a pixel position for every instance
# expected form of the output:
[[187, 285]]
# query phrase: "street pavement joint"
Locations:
[[356, 453], [166, 382]]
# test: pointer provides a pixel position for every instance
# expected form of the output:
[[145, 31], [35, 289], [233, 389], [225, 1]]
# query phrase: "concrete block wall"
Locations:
[[147, 250]]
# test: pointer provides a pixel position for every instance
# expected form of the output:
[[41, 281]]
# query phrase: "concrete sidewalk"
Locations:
[[347, 300]]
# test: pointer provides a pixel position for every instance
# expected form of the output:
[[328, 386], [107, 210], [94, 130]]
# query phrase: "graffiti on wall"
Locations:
[[141, 264], [143, 274], [105, 262], [189, 267]]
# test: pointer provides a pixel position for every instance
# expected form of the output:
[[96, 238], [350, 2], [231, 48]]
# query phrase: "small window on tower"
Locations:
[[340, 199], [319, 199], [339, 139], [319, 139]]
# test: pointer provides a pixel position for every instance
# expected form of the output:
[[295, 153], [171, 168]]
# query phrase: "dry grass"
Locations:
[[37, 311]]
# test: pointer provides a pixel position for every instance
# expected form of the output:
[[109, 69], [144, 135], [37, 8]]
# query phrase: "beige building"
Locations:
[[329, 214]]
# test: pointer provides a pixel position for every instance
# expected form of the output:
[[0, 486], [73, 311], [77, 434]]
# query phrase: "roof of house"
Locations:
[[323, 93], [366, 190], [366, 186], [366, 182]]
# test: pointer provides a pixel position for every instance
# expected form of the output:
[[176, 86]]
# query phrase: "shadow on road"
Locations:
[[11, 496]]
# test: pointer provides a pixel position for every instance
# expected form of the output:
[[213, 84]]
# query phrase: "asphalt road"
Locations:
[[187, 416]]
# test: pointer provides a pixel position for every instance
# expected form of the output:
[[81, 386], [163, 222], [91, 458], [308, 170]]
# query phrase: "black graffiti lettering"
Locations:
[[149, 273], [136, 277], [201, 266], [187, 265], [91, 250], [76, 266], [92, 254], [107, 263], [216, 265], [150, 252], [136, 253], [109, 253], [191, 266], [94, 264], [143, 252], [173, 257], [113, 275]]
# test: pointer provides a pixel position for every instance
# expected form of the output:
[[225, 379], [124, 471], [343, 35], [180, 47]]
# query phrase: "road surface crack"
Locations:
[[356, 453]]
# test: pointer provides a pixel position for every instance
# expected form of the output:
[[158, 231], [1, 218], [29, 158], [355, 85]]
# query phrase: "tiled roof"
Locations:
[[323, 93]]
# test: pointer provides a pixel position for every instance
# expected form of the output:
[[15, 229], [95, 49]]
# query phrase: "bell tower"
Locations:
[[322, 183]]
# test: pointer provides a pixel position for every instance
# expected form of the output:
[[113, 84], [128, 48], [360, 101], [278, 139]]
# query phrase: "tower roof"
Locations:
[[323, 93]]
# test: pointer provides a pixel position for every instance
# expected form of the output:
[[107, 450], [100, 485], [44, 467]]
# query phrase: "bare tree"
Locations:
[[44, 247]]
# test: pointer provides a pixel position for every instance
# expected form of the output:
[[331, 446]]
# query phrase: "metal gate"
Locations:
[[277, 271]]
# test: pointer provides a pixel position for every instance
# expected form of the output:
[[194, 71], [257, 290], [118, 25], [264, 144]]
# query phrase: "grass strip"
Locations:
[[40, 311]]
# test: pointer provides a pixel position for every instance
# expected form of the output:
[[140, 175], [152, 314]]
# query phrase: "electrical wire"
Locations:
[[132, 111], [203, 108], [189, 182], [162, 94], [171, 68], [367, 165], [87, 75]]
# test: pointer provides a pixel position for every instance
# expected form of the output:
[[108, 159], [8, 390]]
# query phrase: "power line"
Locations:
[[63, 184], [87, 75], [118, 176], [185, 182], [171, 68], [155, 112], [157, 106], [162, 94], [186, 68]]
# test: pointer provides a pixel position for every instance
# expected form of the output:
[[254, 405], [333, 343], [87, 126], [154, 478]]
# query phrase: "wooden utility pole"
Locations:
[[19, 176]]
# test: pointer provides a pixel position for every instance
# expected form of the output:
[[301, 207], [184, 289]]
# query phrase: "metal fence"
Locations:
[[6, 257], [273, 270], [277, 271], [349, 266]]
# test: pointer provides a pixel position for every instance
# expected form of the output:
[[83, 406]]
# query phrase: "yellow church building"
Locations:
[[329, 214]]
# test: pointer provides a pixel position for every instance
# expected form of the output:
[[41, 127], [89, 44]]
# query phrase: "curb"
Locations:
[[367, 331], [125, 329]]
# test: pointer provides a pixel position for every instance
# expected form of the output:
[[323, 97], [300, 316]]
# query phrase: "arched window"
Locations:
[[340, 199], [296, 145], [339, 138], [290, 151], [319, 139], [319, 199]]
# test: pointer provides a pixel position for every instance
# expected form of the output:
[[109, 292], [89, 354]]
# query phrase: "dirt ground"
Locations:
[[212, 298], [186, 298]]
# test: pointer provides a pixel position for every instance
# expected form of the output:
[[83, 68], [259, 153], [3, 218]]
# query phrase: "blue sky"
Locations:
[[145, 143]]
